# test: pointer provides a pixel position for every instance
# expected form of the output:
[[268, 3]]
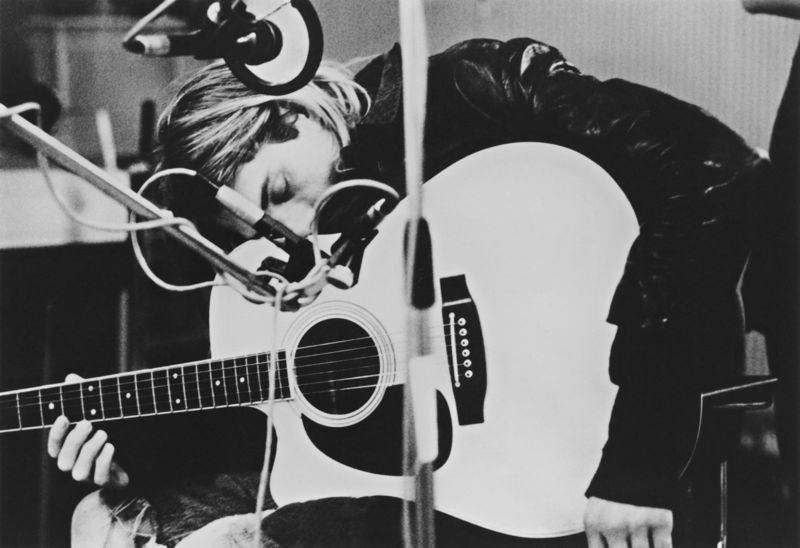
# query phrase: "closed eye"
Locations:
[[276, 191]]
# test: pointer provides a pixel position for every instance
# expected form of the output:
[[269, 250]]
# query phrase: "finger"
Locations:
[[55, 438], [594, 540], [72, 378], [662, 537], [640, 539], [616, 539], [82, 470], [102, 465], [72, 445], [119, 477]]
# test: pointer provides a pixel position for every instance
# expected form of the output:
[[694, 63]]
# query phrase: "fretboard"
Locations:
[[207, 384]]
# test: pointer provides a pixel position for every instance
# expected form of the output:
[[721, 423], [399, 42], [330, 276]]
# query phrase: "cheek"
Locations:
[[296, 214]]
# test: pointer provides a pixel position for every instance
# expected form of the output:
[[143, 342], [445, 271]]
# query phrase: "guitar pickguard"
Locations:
[[375, 444]]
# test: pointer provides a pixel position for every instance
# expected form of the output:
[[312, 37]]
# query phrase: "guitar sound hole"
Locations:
[[337, 366]]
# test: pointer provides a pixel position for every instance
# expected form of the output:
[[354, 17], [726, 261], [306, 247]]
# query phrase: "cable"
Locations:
[[147, 19], [264, 478], [137, 250]]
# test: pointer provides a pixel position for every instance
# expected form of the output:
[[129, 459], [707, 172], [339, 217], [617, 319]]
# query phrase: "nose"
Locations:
[[295, 215]]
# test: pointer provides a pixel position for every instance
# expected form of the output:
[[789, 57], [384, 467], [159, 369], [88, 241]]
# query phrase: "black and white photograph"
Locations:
[[399, 273]]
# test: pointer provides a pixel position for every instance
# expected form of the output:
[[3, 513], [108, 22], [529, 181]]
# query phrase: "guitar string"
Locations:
[[229, 379], [306, 393], [243, 399], [182, 409], [132, 377], [228, 376], [228, 371]]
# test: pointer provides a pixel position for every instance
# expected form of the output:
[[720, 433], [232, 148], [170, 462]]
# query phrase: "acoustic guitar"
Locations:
[[529, 242]]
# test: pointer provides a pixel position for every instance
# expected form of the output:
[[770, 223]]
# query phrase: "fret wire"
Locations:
[[279, 377], [80, 395], [183, 385], [61, 398], [248, 374], [241, 379], [100, 397], [246, 382], [224, 385], [136, 395], [252, 369], [232, 368], [237, 369], [211, 385], [169, 391], [153, 389], [119, 398], [41, 411], [197, 382], [258, 377]]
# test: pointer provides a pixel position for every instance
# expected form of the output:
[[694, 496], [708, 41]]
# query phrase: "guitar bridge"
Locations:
[[466, 355]]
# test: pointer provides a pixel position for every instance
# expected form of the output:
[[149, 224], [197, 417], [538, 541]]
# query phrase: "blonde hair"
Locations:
[[214, 123]]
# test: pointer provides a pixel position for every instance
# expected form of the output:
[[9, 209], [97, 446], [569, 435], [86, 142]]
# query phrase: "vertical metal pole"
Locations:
[[723, 505], [421, 440]]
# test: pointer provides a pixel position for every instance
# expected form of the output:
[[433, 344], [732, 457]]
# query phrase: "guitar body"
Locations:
[[533, 238]]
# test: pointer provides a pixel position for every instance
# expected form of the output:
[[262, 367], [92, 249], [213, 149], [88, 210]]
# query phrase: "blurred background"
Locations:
[[71, 299]]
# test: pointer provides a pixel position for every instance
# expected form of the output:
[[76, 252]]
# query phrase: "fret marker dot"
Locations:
[[91, 388], [216, 383], [241, 379], [93, 412], [174, 375], [128, 395], [51, 406], [177, 400]]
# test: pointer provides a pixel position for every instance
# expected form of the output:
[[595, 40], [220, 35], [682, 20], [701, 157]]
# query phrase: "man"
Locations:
[[692, 182]]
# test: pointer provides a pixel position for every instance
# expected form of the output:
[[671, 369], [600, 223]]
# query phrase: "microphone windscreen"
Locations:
[[300, 50]]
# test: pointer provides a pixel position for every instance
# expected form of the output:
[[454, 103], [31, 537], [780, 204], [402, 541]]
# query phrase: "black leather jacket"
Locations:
[[693, 183]]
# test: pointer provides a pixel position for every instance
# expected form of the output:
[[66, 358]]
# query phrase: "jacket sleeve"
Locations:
[[694, 186]]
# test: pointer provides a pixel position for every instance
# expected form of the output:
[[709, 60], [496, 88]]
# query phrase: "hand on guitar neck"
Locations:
[[84, 453]]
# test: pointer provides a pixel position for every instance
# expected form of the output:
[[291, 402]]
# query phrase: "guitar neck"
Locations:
[[194, 386]]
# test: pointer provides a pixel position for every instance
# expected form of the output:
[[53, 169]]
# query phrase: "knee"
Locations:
[[91, 521], [111, 520]]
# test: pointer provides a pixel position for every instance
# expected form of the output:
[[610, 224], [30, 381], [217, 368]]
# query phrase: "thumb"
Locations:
[[73, 378], [118, 476]]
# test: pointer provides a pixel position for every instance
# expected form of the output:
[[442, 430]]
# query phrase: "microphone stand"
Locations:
[[61, 154], [421, 442]]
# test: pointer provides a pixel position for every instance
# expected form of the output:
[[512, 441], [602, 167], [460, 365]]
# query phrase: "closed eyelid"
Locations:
[[275, 191]]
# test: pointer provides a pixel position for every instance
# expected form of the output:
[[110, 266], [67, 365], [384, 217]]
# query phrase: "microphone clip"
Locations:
[[347, 254]]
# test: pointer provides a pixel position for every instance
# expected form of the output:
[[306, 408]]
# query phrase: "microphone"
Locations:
[[166, 45], [257, 42], [250, 36], [348, 250], [257, 218]]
